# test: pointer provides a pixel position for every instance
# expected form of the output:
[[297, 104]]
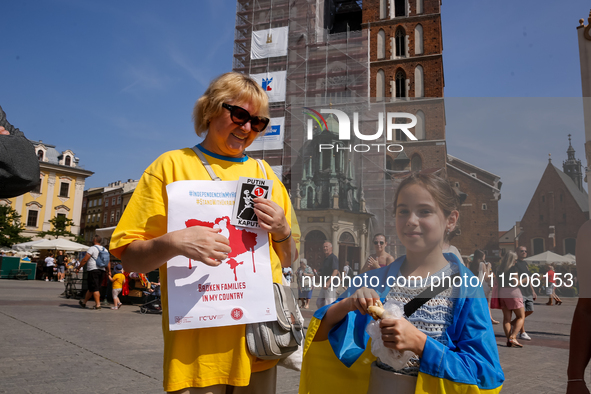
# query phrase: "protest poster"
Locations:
[[238, 291]]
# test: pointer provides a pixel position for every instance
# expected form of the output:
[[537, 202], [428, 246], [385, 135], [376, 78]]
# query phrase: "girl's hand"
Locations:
[[401, 335], [271, 218], [362, 299], [202, 244]]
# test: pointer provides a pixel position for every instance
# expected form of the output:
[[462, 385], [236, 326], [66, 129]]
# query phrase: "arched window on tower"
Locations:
[[400, 42], [68, 161], [400, 84], [310, 198], [380, 85], [419, 7], [570, 244], [400, 7], [416, 163], [40, 155], [383, 9], [419, 82], [381, 44], [420, 127], [418, 40]]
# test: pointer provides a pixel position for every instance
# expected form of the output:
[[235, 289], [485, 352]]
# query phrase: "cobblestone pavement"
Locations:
[[48, 344]]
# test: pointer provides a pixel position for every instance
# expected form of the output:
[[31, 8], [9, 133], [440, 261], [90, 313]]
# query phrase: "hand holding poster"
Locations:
[[238, 291]]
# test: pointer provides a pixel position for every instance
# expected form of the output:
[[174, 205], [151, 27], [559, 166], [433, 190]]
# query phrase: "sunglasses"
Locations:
[[240, 116], [378, 242]]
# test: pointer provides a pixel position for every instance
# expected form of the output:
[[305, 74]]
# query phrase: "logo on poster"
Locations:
[[236, 314], [210, 317], [182, 319], [344, 122], [267, 84]]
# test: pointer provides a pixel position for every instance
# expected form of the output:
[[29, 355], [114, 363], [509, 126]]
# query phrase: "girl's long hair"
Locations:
[[507, 262]]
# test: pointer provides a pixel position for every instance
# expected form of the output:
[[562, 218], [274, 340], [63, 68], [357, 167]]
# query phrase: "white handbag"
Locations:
[[277, 339]]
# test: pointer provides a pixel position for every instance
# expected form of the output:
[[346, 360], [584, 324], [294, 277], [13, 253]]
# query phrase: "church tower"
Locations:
[[405, 48], [573, 167]]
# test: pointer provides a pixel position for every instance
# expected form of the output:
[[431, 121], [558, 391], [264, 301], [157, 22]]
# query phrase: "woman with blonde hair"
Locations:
[[232, 112], [511, 299]]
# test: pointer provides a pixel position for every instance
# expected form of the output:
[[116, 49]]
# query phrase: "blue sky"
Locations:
[[115, 81]]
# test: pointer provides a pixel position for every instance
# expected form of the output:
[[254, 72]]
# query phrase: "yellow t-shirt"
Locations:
[[118, 280], [207, 356]]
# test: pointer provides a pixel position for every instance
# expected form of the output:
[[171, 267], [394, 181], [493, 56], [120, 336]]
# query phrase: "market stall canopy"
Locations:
[[548, 257], [27, 246], [571, 257], [60, 244]]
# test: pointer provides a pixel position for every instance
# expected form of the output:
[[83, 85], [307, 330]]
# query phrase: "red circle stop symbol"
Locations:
[[258, 191]]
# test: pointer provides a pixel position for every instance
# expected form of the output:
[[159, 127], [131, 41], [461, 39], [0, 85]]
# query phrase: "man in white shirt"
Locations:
[[95, 273]]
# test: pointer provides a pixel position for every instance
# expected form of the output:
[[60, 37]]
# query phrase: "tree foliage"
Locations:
[[11, 227], [60, 225]]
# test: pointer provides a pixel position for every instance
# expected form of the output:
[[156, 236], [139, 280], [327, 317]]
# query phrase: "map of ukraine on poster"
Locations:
[[273, 83], [238, 291], [269, 43]]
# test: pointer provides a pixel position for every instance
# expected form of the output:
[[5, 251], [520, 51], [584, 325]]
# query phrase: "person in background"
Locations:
[[347, 269], [527, 289], [380, 258], [305, 286], [49, 265], [580, 335], [483, 271], [19, 165], [61, 260], [117, 280], [511, 300], [449, 248], [287, 274], [551, 289], [95, 274], [328, 269]]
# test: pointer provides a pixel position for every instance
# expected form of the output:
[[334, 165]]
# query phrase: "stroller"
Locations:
[[152, 303]]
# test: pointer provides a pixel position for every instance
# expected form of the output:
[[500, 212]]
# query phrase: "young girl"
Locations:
[[450, 335]]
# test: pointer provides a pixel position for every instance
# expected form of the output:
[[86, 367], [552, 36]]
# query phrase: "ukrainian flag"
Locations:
[[468, 365]]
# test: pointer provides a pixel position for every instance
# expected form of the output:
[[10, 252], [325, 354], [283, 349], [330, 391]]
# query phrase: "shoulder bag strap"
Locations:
[[427, 294], [260, 163], [205, 163]]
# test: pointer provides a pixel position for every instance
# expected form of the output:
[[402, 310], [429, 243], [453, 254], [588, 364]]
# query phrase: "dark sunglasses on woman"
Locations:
[[378, 242], [240, 116]]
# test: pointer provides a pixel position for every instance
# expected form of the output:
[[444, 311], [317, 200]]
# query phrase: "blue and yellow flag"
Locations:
[[469, 364]]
